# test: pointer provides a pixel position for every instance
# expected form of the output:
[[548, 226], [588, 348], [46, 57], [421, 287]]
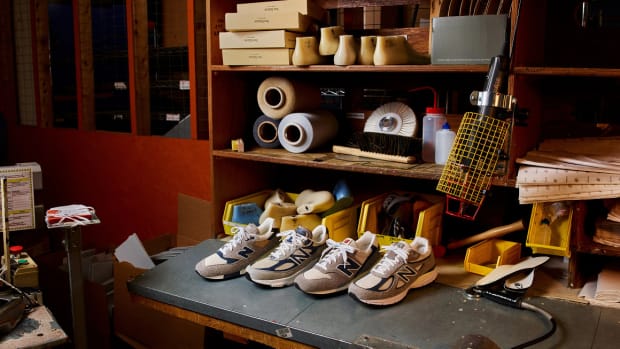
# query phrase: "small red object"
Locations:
[[16, 249]]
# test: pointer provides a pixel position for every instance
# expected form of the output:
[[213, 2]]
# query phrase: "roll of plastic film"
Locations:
[[278, 97], [265, 132], [300, 132]]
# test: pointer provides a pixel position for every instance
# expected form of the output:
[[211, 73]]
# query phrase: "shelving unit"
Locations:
[[233, 108], [536, 77], [563, 75]]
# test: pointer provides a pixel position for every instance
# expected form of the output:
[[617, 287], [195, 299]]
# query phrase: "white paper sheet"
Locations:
[[132, 251]]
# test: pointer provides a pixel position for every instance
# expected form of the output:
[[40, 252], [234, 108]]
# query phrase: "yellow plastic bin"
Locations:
[[487, 255], [429, 220], [549, 229], [340, 225]]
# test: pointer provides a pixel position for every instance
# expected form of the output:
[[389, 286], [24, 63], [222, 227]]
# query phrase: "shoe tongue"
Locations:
[[303, 232], [251, 229], [403, 246], [350, 242]]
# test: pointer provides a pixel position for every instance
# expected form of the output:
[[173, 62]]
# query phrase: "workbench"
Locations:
[[436, 316], [38, 329]]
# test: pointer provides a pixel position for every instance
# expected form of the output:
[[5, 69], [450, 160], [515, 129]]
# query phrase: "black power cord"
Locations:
[[513, 298], [546, 316]]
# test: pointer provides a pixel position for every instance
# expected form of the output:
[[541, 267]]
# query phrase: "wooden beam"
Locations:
[[42, 72], [193, 63], [84, 73], [329, 4], [197, 43], [138, 53], [220, 325]]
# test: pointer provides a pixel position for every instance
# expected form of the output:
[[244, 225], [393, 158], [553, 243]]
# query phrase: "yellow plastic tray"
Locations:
[[340, 224], [554, 238], [429, 221], [487, 255]]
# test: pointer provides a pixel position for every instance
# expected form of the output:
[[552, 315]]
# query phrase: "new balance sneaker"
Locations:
[[249, 243], [298, 249], [403, 267], [339, 264]]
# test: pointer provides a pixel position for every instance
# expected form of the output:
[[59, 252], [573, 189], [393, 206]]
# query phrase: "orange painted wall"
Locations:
[[131, 181]]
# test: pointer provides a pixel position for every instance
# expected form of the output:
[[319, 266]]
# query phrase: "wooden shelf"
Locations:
[[341, 162], [358, 68], [568, 71], [591, 247]]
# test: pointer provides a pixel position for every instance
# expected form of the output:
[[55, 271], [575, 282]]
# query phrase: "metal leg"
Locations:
[[73, 246]]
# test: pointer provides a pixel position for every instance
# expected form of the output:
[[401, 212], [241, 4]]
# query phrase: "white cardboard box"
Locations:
[[291, 21], [306, 7], [257, 56], [258, 39]]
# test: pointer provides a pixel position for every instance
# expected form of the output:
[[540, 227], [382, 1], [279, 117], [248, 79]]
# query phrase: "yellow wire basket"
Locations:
[[467, 174]]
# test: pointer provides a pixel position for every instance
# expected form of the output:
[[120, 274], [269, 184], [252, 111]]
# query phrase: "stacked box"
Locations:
[[264, 33]]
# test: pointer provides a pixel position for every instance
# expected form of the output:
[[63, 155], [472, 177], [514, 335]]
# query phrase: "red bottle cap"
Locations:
[[431, 110]]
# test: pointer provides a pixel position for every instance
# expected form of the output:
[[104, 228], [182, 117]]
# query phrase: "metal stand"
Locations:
[[73, 247]]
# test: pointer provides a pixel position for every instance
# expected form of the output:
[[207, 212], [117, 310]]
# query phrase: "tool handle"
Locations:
[[491, 233]]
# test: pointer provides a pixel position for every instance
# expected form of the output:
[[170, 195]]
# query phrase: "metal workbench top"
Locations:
[[435, 316]]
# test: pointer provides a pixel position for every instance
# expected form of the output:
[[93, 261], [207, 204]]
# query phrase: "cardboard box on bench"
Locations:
[[144, 327]]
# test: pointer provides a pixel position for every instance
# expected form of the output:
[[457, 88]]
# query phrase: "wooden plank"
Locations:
[[588, 145], [41, 53], [330, 4], [174, 28], [532, 175], [197, 42], [138, 53], [85, 76], [568, 71], [192, 63], [224, 326], [571, 161]]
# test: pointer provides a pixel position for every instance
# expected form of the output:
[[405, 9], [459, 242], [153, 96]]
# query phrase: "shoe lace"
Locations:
[[290, 242], [388, 262], [241, 235], [333, 251]]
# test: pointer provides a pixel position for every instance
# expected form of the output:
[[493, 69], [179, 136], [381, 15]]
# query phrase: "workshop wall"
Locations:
[[131, 181]]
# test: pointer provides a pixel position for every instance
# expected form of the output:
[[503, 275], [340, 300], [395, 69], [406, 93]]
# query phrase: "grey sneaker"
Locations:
[[298, 249], [403, 267], [247, 245], [340, 263]]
